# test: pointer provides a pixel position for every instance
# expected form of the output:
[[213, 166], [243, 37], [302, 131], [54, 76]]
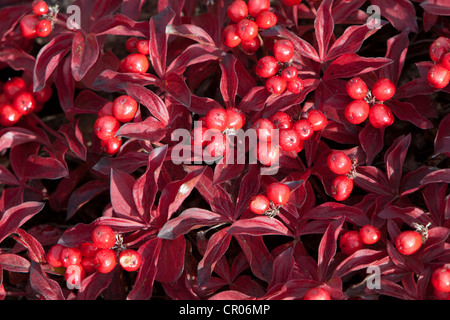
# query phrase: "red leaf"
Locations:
[[194, 54], [150, 100], [397, 47], [15, 217], [373, 180], [35, 250], [327, 247], [74, 138], [229, 81], [394, 158], [438, 176], [188, 220], [174, 85], [351, 65], [143, 286], [49, 57], [7, 178], [217, 246], [259, 226], [44, 168], [42, 284], [132, 8], [407, 111], [171, 260], [149, 129], [65, 83], [333, 210], [92, 286], [14, 136], [112, 81], [324, 26], [85, 51], [16, 58], [442, 139], [248, 187], [84, 194], [400, 13], [437, 7], [158, 40], [121, 190], [359, 260], [192, 32], [14, 263], [372, 141], [127, 162]]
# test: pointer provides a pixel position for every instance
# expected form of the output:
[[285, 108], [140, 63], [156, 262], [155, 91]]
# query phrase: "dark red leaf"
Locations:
[[82, 195], [361, 259], [121, 192], [44, 168], [397, 47], [437, 7], [7, 178], [373, 180], [74, 138], [16, 58], [85, 51], [229, 81], [394, 157], [176, 86], [171, 260], [372, 141], [328, 247], [11, 137], [35, 250], [442, 139], [65, 83], [92, 286], [43, 285], [324, 26], [400, 13], [333, 210], [406, 111], [259, 226], [194, 54], [127, 162], [14, 263], [112, 81], [192, 32]]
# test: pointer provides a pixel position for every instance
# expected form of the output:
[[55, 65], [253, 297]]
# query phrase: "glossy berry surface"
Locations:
[[217, 118], [289, 140], [289, 73], [259, 204], [304, 129], [438, 76], [264, 129], [341, 188], [230, 37], [28, 25], [439, 48], [24, 103], [445, 61], [70, 256], [317, 119], [283, 50], [135, 63], [267, 153], [105, 260], [88, 249], [278, 193], [143, 46], [357, 111], [103, 237], [383, 89], [266, 20], [237, 10], [282, 120], [295, 86], [247, 29], [124, 108], [111, 146], [251, 46], [339, 162], [53, 256], [276, 85], [369, 234], [9, 116], [106, 127], [218, 146], [350, 242], [13, 87], [40, 8], [235, 118], [356, 88], [255, 7], [130, 260], [43, 28], [408, 242], [267, 67], [380, 116], [441, 279], [317, 294]]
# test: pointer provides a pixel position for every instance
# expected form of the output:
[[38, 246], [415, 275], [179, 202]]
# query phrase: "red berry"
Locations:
[[44, 28], [130, 260], [317, 294], [278, 193], [259, 204], [106, 127], [251, 46], [289, 73], [88, 249], [135, 63], [380, 116], [438, 76], [356, 88], [105, 260], [218, 146], [383, 89], [255, 7], [276, 85], [103, 237], [281, 120], [439, 48], [369, 234], [111, 146], [217, 118], [40, 8], [408, 242], [283, 50], [247, 29], [304, 129], [124, 108], [14, 86], [341, 188], [291, 2], [264, 129], [74, 274], [230, 37], [236, 119], [441, 279], [28, 26], [24, 103], [70, 256], [289, 140], [266, 20], [339, 162], [53, 255], [357, 111], [267, 153], [43, 95], [350, 242], [88, 264], [317, 119], [295, 86], [237, 11], [9, 116], [445, 61], [131, 44], [143, 47], [266, 67]]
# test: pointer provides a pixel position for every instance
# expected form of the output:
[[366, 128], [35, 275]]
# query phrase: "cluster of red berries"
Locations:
[[39, 23], [137, 59], [340, 164], [439, 75], [89, 257], [246, 20], [277, 195], [276, 69], [110, 118], [291, 134], [17, 99], [352, 241], [370, 103], [212, 134]]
